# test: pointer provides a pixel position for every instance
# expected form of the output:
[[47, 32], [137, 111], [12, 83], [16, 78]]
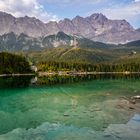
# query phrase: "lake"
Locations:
[[92, 107]]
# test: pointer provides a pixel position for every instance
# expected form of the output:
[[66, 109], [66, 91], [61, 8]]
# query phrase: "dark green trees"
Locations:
[[85, 67], [10, 63]]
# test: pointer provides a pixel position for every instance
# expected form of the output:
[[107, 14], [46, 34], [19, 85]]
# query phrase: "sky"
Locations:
[[55, 10]]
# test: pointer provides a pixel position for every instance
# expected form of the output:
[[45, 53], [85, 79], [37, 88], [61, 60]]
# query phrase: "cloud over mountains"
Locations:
[[55, 10], [31, 8]]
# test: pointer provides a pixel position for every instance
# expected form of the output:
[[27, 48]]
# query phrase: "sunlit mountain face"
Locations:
[[96, 27]]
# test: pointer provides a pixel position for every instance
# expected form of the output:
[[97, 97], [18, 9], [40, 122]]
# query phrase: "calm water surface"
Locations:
[[69, 108]]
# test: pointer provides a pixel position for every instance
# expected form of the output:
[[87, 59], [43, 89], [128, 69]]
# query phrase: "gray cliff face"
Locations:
[[6, 22], [52, 28], [96, 27], [13, 43], [138, 30], [27, 25]]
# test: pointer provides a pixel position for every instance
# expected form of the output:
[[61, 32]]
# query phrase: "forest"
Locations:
[[13, 64], [18, 64], [85, 67]]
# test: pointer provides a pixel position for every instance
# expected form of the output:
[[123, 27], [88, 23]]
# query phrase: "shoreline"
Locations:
[[41, 74], [18, 74]]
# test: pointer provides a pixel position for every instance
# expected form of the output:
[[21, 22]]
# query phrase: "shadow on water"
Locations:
[[26, 81], [15, 81], [59, 80]]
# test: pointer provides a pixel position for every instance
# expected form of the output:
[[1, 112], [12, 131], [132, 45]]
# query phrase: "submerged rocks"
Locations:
[[133, 101], [66, 115], [136, 97], [125, 104], [128, 103], [94, 109], [131, 107], [122, 103]]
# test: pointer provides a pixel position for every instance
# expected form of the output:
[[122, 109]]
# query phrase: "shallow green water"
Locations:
[[78, 108]]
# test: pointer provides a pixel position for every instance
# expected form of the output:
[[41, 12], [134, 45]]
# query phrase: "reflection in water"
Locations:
[[15, 81], [74, 102], [49, 131], [56, 80], [81, 109], [25, 81], [34, 80]]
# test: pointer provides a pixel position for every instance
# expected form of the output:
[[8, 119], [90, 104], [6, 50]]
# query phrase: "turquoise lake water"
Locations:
[[69, 108]]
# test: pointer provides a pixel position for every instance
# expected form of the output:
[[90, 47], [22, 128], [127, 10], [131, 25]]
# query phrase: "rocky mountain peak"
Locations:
[[96, 27], [123, 23], [5, 14], [65, 20], [77, 19], [138, 29], [98, 16]]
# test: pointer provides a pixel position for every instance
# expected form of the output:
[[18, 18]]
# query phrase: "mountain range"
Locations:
[[67, 48], [94, 39], [96, 27], [12, 42]]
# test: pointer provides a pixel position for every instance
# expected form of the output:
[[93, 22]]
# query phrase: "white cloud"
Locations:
[[73, 2], [31, 8], [116, 9], [137, 0], [130, 12]]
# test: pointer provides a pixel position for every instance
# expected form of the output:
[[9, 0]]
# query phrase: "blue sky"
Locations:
[[47, 10]]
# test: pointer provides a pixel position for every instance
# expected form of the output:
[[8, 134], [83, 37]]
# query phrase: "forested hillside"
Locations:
[[85, 67], [10, 63]]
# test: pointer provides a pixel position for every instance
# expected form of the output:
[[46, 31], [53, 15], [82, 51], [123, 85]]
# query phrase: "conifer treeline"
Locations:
[[84, 67], [10, 63]]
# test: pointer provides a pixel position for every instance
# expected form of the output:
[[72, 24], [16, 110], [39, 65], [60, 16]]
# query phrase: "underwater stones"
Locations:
[[94, 108], [136, 97], [108, 94], [91, 116], [129, 131], [66, 115], [80, 117], [97, 109], [107, 135], [75, 115], [121, 104], [131, 107], [126, 104], [105, 126], [91, 110], [133, 101], [123, 97]]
